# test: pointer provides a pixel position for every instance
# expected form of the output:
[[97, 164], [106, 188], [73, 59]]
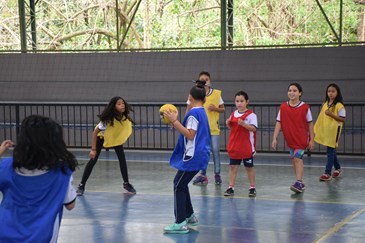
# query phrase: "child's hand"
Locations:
[[212, 107], [171, 115], [274, 143], [241, 122], [5, 145], [92, 154], [228, 122], [310, 145], [328, 112]]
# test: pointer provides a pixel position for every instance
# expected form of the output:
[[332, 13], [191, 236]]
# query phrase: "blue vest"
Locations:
[[200, 159], [30, 204]]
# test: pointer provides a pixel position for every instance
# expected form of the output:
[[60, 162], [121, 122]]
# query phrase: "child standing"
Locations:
[[214, 105], [190, 155], [295, 119], [36, 183], [242, 142], [328, 128], [112, 131]]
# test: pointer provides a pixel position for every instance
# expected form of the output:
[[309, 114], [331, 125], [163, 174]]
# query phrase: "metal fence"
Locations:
[[79, 119]]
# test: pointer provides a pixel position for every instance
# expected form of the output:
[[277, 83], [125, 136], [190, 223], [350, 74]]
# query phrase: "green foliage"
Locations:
[[92, 25]]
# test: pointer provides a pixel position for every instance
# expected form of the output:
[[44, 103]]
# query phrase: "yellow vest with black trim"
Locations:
[[327, 130], [117, 134], [213, 116]]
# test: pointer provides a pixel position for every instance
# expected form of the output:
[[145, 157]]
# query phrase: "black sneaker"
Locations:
[[80, 190], [229, 192], [252, 192], [129, 188]]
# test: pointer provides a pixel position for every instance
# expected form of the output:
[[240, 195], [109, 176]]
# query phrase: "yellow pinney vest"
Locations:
[[327, 130], [117, 134], [213, 117]]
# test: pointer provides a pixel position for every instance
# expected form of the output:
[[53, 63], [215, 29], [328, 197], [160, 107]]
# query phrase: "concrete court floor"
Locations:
[[332, 211]]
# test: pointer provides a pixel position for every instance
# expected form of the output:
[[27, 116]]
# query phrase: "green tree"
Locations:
[[103, 24]]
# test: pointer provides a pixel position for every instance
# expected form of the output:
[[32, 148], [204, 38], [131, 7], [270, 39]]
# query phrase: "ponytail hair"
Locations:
[[198, 91]]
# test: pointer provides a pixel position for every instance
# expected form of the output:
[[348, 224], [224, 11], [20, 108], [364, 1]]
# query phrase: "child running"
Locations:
[[242, 142], [36, 182], [190, 155], [295, 119], [328, 128], [112, 131]]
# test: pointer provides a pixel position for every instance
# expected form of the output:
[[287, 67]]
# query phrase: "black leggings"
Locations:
[[121, 157]]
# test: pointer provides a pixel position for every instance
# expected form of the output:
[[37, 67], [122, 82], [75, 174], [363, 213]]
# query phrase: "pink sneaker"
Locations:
[[200, 180], [325, 177], [336, 173]]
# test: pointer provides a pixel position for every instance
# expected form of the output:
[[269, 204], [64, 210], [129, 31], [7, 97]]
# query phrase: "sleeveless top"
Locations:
[[241, 142], [213, 117], [294, 125], [327, 130], [117, 134]]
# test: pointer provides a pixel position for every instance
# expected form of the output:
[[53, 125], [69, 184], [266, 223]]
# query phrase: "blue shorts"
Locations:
[[296, 153], [246, 162]]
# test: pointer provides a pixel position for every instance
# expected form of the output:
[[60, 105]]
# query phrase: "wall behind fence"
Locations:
[[166, 76]]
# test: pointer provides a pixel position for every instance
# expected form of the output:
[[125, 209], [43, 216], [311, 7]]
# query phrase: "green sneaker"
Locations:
[[192, 220], [181, 228]]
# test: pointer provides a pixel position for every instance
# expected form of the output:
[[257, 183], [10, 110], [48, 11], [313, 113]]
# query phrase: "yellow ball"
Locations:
[[167, 107]]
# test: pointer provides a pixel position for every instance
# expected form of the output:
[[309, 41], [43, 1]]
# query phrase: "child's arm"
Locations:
[[71, 205], [172, 116], [337, 118], [311, 136], [70, 197], [188, 133], [5, 145], [275, 136], [92, 153], [249, 127], [219, 109], [228, 122]]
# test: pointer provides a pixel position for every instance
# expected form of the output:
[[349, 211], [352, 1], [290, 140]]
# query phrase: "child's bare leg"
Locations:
[[232, 174], [298, 168], [251, 175]]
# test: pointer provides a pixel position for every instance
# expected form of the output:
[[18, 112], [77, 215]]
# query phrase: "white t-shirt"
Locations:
[[342, 113], [191, 123]]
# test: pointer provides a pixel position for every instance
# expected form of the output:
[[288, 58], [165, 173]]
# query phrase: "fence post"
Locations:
[[17, 120]]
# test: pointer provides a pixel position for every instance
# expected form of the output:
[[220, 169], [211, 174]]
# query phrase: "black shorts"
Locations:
[[246, 162]]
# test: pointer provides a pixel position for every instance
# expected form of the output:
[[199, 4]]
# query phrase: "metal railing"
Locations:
[[79, 119]]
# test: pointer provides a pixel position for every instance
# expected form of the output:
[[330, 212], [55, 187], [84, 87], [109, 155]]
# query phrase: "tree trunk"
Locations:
[[361, 23], [146, 24]]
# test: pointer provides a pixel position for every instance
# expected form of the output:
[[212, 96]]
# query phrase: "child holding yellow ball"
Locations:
[[190, 155]]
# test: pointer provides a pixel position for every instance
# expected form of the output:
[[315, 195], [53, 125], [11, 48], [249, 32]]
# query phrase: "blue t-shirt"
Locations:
[[193, 155], [31, 204]]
